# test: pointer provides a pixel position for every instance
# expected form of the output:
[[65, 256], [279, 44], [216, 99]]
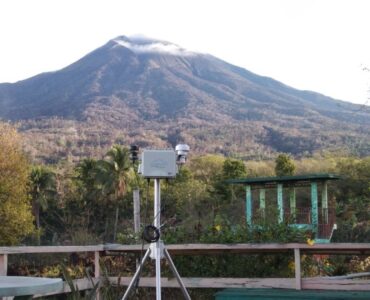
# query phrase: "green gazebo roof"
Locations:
[[290, 180]]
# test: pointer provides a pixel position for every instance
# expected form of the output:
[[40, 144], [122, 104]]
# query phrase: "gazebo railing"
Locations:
[[301, 216]]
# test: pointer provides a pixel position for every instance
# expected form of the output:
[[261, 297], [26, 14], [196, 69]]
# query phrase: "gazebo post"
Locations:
[[314, 208], [248, 205], [324, 202], [263, 202], [292, 202], [280, 202]]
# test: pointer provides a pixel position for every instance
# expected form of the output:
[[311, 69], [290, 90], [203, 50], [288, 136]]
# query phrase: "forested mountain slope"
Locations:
[[155, 93]]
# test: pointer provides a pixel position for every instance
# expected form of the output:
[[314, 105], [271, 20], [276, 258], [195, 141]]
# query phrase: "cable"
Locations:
[[151, 234]]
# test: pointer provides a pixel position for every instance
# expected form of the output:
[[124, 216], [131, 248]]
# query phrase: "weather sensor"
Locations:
[[158, 164], [182, 151]]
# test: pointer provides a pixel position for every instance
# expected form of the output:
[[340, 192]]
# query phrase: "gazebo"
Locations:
[[295, 199]]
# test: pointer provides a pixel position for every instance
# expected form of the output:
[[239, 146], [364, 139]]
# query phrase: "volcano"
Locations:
[[156, 93]]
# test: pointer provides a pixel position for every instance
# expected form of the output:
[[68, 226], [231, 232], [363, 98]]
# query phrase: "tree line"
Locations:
[[91, 201]]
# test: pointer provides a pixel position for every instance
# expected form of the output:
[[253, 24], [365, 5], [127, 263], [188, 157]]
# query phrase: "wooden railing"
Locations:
[[296, 251]]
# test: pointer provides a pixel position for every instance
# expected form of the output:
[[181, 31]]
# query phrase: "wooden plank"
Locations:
[[200, 249], [286, 283], [283, 283], [351, 276], [50, 249], [335, 284]]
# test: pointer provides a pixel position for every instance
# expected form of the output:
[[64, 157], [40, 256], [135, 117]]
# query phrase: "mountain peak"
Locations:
[[153, 92], [143, 45]]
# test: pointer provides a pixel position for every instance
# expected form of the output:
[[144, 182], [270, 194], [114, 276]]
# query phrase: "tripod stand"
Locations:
[[157, 251]]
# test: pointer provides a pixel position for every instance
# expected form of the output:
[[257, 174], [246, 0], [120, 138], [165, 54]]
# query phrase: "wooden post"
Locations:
[[280, 202], [137, 210], [3, 264], [97, 273], [248, 205], [314, 208], [263, 202], [324, 202], [297, 267], [97, 264]]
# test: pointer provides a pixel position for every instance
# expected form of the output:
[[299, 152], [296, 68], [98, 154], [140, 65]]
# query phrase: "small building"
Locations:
[[301, 201]]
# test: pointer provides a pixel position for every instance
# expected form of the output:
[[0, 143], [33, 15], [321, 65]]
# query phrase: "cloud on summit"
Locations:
[[154, 47]]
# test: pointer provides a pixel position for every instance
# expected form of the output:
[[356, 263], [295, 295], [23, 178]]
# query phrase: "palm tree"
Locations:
[[42, 188], [86, 175], [114, 174], [85, 170]]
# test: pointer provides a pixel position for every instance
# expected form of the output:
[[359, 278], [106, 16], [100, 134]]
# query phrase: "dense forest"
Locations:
[[91, 201]]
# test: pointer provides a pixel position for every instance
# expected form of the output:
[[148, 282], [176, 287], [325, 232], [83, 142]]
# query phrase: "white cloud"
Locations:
[[148, 46]]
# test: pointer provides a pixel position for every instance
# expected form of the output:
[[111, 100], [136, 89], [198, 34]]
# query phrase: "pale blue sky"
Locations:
[[320, 45]]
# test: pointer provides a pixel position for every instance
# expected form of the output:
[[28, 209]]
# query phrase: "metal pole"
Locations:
[[157, 224], [136, 194]]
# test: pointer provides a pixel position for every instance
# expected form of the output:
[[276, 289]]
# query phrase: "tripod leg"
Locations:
[[136, 275], [177, 275]]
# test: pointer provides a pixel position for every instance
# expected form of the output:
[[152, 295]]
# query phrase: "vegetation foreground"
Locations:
[[91, 202]]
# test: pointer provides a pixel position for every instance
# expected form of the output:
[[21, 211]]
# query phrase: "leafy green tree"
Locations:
[[225, 195], [284, 165], [206, 168], [185, 203], [86, 173], [231, 169], [90, 193], [68, 218], [114, 173], [352, 194], [42, 189], [15, 209]]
